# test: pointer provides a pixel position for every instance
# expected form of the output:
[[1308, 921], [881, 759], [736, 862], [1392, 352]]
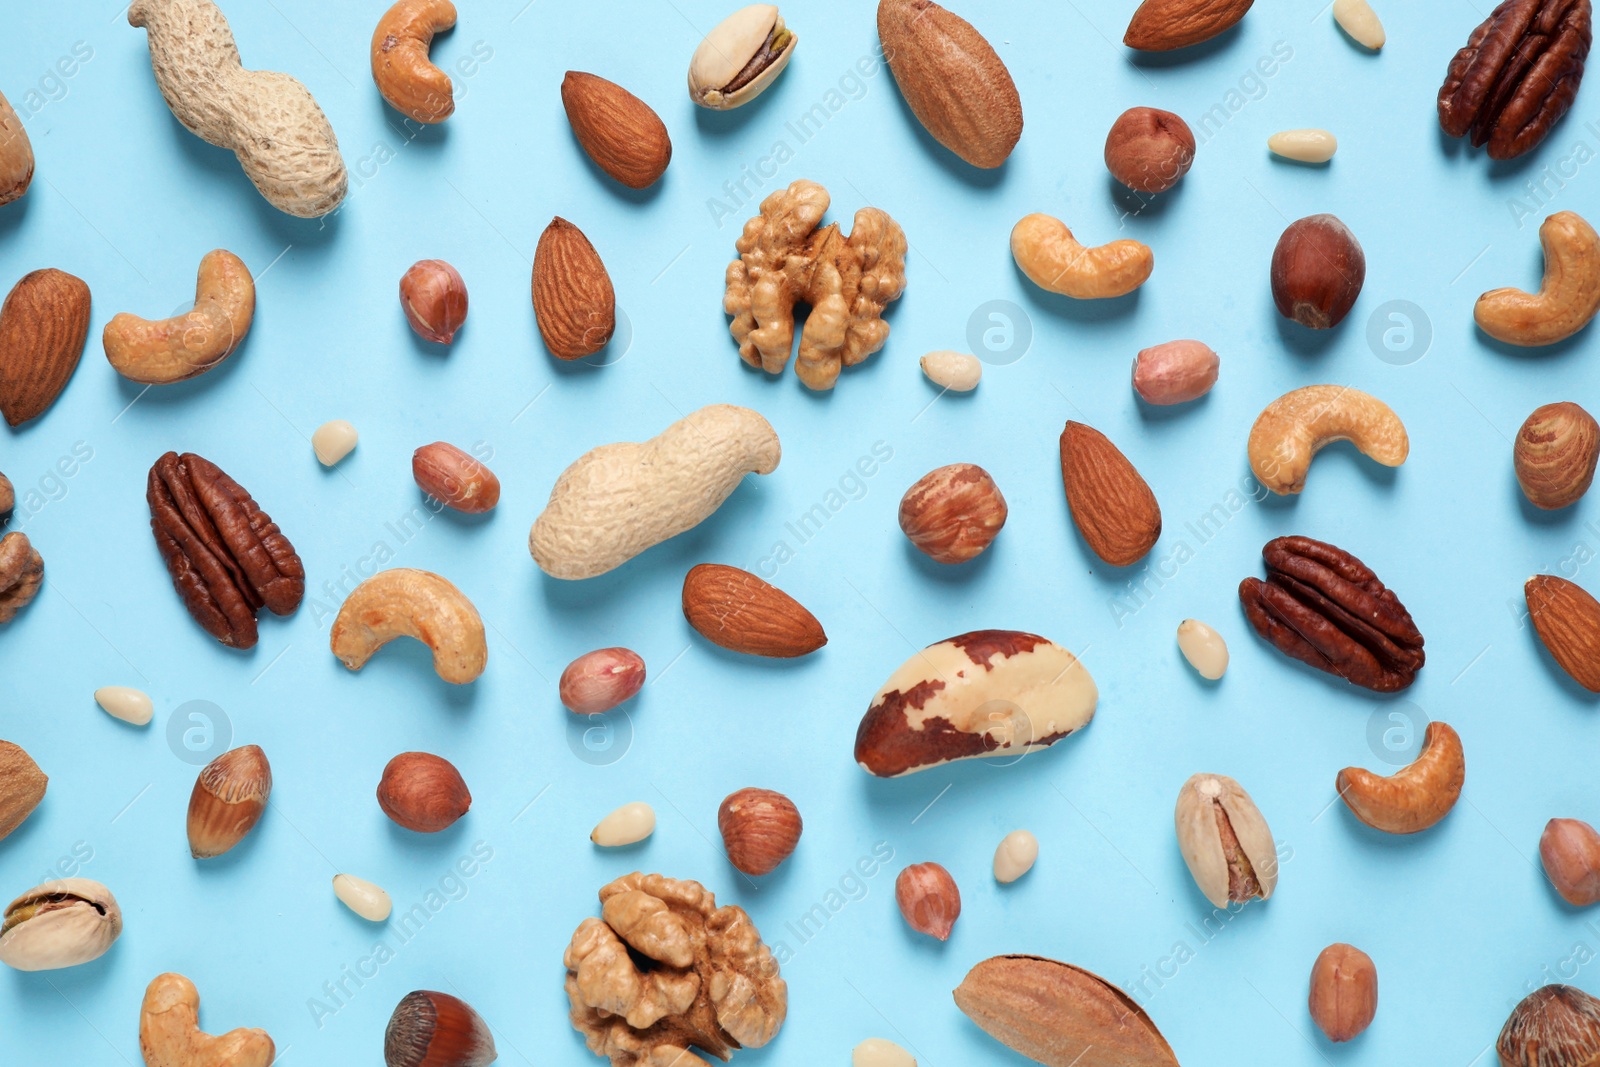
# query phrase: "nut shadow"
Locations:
[[1137, 205], [446, 841], [15, 213], [1077, 311], [1566, 682], [1158, 413], [1558, 351], [714, 123], [1533, 513], [1302, 340], [611, 185], [952, 574], [973, 177]]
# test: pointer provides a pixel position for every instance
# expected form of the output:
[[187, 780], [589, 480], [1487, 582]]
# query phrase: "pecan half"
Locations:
[[1518, 75], [227, 558], [1325, 608]]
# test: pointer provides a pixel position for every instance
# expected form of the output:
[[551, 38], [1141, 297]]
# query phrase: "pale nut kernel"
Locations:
[[1296, 426], [1175, 372], [1304, 146], [953, 513], [929, 899], [740, 58], [1555, 455], [184, 346], [1225, 841], [1415, 797], [367, 900], [434, 298], [333, 441], [1318, 269], [598, 681], [402, 602], [1356, 18], [760, 829], [170, 1034], [125, 703], [1344, 992], [1570, 852], [955, 371], [1052, 258], [1204, 648], [879, 1052], [423, 792], [628, 825], [1149, 150], [1015, 856], [1567, 299], [455, 478]]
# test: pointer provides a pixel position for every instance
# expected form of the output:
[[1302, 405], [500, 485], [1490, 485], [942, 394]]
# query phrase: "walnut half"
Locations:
[[664, 969]]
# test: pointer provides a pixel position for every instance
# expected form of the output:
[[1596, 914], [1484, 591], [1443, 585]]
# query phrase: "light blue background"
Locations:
[[1460, 920]]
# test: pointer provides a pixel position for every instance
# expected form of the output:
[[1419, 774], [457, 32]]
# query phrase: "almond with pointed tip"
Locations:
[[228, 800], [1567, 620], [621, 133], [738, 611], [1164, 25], [573, 300], [1111, 504], [43, 326]]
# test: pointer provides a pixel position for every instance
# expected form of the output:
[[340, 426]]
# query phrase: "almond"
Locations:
[[43, 325], [16, 155], [1162, 25], [572, 295], [738, 611], [953, 81], [455, 478], [22, 786], [1111, 504], [1568, 621], [620, 132]]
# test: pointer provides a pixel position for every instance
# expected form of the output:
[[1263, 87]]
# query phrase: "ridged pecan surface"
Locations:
[[1517, 75], [227, 558], [1322, 606]]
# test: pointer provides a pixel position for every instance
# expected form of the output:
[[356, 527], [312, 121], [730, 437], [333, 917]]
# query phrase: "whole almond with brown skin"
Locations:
[[455, 478], [952, 79], [572, 295], [1162, 25], [22, 786], [16, 155], [423, 792], [1567, 619], [1555, 455], [1344, 992], [740, 612], [1060, 1015], [620, 132], [1111, 504], [228, 800], [1570, 852], [43, 325], [760, 829]]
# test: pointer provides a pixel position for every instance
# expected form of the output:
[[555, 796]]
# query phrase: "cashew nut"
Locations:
[[187, 345], [1415, 797], [170, 1034], [1053, 259], [269, 120], [402, 602], [1566, 301], [405, 75], [618, 500], [1297, 425]]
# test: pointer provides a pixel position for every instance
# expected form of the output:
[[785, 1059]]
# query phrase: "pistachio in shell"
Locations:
[[59, 924], [739, 59], [1225, 841]]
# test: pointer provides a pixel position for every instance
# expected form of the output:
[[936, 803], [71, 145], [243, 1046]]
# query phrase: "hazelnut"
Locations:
[[928, 899], [598, 681], [455, 478], [436, 1030], [1555, 455], [1344, 992], [228, 800], [435, 300], [1554, 1026], [423, 792], [1318, 269], [1570, 851], [8, 500], [953, 513], [1149, 150], [760, 829]]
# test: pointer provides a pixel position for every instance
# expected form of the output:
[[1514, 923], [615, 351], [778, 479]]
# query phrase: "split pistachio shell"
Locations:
[[333, 441], [628, 825], [956, 371], [739, 59], [125, 703], [1225, 841], [362, 897], [1357, 18], [1304, 146], [1016, 855], [59, 924], [877, 1052], [1204, 648]]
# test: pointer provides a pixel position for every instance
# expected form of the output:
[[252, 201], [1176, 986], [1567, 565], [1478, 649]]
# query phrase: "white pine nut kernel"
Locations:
[[125, 703], [1204, 648], [1357, 18], [628, 825], [1016, 855], [1304, 146], [955, 371], [876, 1052], [333, 441], [362, 897]]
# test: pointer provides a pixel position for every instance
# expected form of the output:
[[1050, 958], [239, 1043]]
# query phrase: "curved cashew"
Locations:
[[405, 75], [1566, 301], [185, 346], [402, 602], [1054, 260], [1297, 425], [170, 1035], [1415, 797]]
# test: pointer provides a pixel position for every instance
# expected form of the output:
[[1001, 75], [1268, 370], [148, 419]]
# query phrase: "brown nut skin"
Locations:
[[1344, 992], [953, 513], [16, 155], [21, 574], [1554, 1026], [573, 301], [434, 298], [929, 899], [22, 786], [760, 829], [1567, 619], [229, 798], [8, 500], [1165, 25], [1555, 455], [404, 74], [430, 1029], [1149, 150], [621, 133], [1318, 269], [455, 478], [1570, 852], [423, 792], [44, 323], [1415, 797], [738, 611], [1175, 372], [598, 681], [1112, 505]]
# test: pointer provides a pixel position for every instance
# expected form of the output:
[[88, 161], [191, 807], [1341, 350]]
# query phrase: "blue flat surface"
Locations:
[[1460, 920]]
